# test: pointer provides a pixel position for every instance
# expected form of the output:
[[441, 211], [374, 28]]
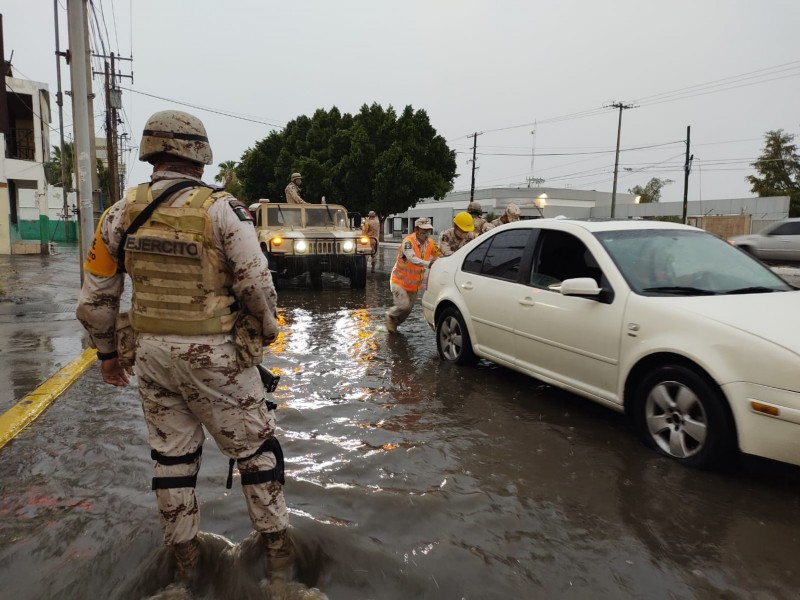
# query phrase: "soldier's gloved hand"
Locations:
[[113, 373]]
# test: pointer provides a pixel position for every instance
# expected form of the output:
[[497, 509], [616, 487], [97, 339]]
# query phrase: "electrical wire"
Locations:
[[211, 110]]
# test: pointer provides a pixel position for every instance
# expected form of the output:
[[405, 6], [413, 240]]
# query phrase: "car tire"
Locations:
[[358, 273], [680, 414], [315, 277], [452, 338]]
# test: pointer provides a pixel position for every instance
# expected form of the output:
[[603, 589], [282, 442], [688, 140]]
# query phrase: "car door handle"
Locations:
[[467, 285], [527, 301]]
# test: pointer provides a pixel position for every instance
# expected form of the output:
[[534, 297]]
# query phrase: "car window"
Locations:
[[499, 255], [474, 260], [504, 254], [791, 228], [562, 256]]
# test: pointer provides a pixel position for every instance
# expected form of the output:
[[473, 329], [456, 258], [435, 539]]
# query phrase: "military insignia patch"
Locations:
[[243, 213], [407, 246]]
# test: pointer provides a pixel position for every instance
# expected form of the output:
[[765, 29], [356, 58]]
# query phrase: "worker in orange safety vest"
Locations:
[[415, 253]]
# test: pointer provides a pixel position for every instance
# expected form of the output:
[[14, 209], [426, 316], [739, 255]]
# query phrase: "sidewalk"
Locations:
[[38, 329]]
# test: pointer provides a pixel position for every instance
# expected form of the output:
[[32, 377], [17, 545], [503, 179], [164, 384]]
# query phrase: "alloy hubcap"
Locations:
[[676, 419]]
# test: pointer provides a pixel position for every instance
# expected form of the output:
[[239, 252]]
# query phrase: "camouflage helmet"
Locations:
[[474, 208], [513, 212], [177, 134], [295, 176]]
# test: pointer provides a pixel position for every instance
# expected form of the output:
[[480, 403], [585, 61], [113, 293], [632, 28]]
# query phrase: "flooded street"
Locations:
[[406, 478]]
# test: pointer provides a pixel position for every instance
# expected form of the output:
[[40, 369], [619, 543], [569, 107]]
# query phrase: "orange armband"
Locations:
[[99, 260]]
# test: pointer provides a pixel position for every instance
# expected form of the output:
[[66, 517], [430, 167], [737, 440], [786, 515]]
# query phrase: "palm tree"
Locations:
[[53, 167], [227, 174]]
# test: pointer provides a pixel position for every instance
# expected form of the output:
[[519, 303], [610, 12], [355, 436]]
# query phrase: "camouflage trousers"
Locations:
[[186, 386], [403, 304]]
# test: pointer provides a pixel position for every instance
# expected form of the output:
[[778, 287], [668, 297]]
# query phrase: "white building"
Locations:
[[538, 202], [24, 148]]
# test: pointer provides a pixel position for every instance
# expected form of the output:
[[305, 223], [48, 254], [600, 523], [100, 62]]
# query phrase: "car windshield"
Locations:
[[688, 263], [283, 216], [325, 216]]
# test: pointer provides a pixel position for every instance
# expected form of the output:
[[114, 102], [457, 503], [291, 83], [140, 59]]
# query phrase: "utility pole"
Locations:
[[113, 103], [474, 151], [621, 107], [686, 168], [60, 103], [92, 137], [80, 117], [111, 154]]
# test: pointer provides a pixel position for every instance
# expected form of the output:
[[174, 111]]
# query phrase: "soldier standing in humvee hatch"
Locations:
[[292, 190]]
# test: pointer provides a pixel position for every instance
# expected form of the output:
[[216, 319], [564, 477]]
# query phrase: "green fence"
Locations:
[[52, 230]]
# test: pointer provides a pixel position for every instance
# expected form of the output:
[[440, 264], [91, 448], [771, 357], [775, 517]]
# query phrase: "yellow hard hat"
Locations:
[[463, 221]]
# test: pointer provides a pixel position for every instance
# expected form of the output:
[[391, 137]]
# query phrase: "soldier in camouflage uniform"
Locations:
[[372, 228], [458, 235], [203, 305], [480, 224], [510, 215], [292, 190]]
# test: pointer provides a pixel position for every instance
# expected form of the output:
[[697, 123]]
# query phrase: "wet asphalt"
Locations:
[[407, 478]]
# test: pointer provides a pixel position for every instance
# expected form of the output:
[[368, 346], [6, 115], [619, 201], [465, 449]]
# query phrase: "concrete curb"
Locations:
[[16, 418]]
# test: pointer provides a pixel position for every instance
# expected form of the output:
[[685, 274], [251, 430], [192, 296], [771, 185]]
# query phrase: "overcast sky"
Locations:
[[728, 68]]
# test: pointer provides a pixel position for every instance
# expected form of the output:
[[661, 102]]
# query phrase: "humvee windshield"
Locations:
[[282, 216], [315, 216], [321, 216]]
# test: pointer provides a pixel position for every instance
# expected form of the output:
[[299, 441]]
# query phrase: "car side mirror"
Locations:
[[579, 286]]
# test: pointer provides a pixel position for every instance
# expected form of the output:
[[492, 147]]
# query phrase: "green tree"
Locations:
[[52, 168], [104, 183], [227, 173], [651, 191], [779, 169], [228, 178], [374, 160]]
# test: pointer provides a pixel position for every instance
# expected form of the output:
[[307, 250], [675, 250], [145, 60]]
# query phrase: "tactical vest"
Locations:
[[405, 274], [179, 285]]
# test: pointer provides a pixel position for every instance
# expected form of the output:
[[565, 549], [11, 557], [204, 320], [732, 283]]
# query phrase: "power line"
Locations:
[[528, 154], [211, 110]]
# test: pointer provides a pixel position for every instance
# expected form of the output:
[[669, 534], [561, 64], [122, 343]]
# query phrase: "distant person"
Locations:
[[372, 228], [458, 235], [292, 191], [511, 215], [480, 224], [415, 254], [203, 306]]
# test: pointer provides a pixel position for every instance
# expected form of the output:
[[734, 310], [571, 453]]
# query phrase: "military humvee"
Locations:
[[313, 239]]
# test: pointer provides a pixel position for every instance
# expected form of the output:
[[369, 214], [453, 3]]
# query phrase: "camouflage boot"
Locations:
[[187, 554], [280, 556]]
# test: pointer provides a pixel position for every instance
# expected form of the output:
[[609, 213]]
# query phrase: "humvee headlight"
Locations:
[[276, 241], [348, 246], [363, 240], [300, 246]]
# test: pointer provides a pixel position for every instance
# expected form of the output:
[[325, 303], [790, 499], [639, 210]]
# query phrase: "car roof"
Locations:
[[595, 225]]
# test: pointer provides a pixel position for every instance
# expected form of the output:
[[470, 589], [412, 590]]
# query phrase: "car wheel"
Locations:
[[315, 277], [452, 338], [683, 416], [358, 273]]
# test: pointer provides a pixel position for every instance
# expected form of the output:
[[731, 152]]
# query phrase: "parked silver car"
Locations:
[[779, 242]]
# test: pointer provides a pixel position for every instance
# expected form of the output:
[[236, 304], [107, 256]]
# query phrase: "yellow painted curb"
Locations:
[[16, 418]]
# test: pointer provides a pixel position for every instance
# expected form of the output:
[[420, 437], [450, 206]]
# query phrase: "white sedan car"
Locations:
[[693, 339]]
